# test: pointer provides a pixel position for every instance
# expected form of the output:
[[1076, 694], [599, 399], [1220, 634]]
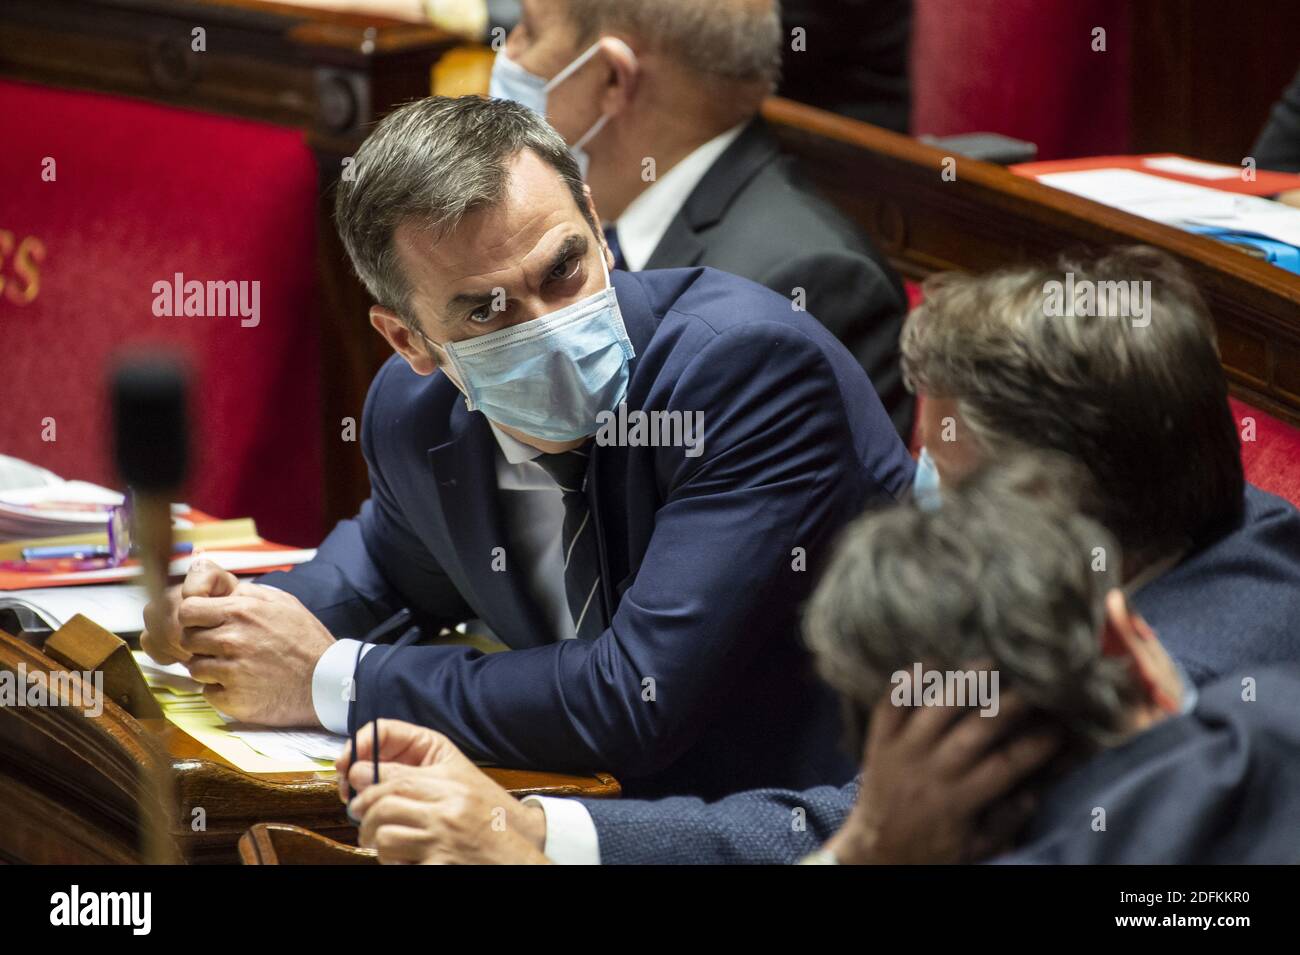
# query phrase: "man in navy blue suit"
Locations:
[[1112, 362], [632, 479], [1007, 681]]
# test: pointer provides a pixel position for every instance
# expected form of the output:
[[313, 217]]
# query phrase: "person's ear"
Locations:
[[624, 75], [403, 340], [1118, 636], [600, 233], [1126, 634]]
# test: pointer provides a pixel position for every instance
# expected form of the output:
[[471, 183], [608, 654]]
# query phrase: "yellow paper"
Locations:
[[197, 717]]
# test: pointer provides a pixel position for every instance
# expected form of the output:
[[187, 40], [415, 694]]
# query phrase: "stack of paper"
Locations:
[[1181, 203], [36, 503], [16, 473], [68, 507], [118, 608], [253, 749]]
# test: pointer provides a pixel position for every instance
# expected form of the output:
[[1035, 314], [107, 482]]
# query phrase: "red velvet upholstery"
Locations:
[[143, 192], [1047, 85], [1272, 459]]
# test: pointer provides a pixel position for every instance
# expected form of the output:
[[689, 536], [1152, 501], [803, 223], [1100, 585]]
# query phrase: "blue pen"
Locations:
[[85, 552]]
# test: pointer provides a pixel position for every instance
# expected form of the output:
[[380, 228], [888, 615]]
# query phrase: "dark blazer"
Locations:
[[1236, 601], [702, 558], [1219, 785], [753, 215], [1278, 146]]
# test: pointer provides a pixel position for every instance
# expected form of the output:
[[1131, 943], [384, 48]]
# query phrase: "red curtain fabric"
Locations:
[[1024, 68], [104, 198]]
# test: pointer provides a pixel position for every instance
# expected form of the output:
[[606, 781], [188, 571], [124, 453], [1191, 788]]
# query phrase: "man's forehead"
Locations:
[[535, 214]]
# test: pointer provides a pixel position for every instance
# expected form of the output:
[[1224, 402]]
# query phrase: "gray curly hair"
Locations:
[[1005, 570]]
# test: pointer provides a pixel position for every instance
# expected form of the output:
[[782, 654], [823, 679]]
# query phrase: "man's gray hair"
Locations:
[[738, 40], [1142, 405], [1005, 571], [429, 163]]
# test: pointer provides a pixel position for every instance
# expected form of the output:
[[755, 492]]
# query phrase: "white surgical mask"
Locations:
[[511, 81]]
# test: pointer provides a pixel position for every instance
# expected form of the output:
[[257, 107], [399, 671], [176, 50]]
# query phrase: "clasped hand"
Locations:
[[253, 647]]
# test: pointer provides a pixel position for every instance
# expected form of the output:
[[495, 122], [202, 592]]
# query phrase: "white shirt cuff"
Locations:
[[331, 684], [570, 831]]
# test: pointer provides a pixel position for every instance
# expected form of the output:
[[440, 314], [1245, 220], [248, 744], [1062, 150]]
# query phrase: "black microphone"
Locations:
[[151, 446]]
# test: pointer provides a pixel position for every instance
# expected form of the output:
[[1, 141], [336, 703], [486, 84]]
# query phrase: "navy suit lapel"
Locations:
[[464, 468], [609, 464]]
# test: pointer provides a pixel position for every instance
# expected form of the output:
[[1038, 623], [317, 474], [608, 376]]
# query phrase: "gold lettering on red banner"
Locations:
[[20, 276]]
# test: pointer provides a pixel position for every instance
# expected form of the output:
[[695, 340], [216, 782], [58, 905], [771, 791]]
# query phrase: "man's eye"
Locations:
[[565, 269], [482, 315]]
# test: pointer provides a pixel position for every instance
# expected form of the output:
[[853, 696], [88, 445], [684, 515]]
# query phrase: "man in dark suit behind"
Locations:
[[1278, 146], [660, 103], [1130, 386], [632, 478]]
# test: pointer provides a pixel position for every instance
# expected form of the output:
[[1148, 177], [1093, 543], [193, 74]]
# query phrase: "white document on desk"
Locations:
[[1183, 166], [1180, 203], [290, 744], [118, 608]]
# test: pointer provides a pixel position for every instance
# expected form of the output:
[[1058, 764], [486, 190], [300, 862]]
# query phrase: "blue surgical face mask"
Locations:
[[551, 376], [511, 81], [1190, 694], [925, 486]]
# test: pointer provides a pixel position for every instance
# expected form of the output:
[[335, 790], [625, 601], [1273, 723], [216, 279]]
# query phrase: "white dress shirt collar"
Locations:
[[646, 219], [514, 450]]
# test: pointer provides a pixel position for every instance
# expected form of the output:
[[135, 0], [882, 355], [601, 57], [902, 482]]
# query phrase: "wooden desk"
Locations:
[[987, 217], [278, 844], [74, 788]]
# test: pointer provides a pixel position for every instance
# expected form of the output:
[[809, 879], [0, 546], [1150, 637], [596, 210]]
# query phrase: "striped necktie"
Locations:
[[578, 538]]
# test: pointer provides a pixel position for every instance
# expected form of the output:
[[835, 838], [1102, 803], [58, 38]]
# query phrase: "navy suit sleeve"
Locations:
[[374, 564], [856, 300], [778, 471], [759, 827]]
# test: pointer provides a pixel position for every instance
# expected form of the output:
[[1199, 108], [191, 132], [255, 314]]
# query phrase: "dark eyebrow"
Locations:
[[468, 301], [573, 245]]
